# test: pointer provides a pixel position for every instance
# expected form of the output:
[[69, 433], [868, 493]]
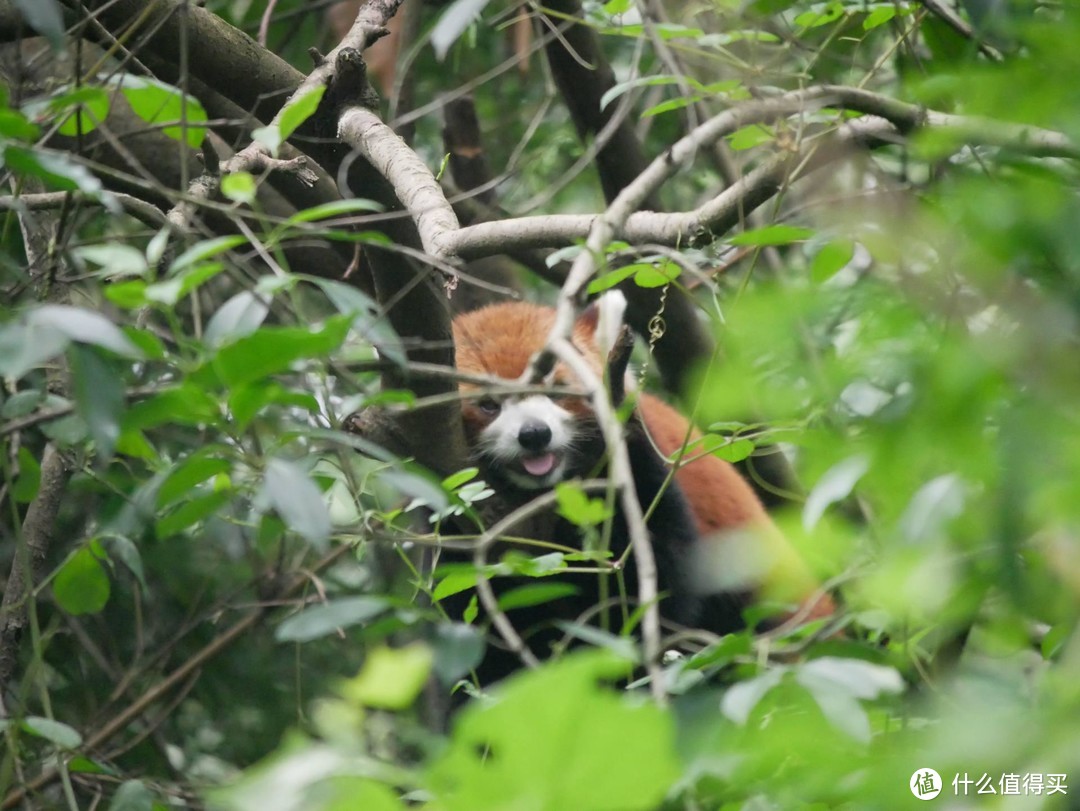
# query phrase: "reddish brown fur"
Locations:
[[499, 340]]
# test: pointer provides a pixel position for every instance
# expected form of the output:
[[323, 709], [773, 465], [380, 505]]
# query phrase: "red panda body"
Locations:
[[704, 527]]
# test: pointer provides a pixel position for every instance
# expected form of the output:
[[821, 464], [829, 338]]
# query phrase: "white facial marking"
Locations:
[[500, 440]]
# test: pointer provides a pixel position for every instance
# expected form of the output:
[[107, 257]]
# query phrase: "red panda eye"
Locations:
[[489, 405]]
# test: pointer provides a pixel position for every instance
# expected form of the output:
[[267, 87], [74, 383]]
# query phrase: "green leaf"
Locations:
[[114, 258], [458, 649], [337, 208], [820, 16], [269, 136], [239, 316], [124, 549], [879, 16], [617, 7], [191, 513], [455, 480], [239, 187], [418, 486], [587, 746], [84, 765], [247, 401], [751, 136], [734, 450], [933, 506], [22, 348], [14, 125], [391, 679], [680, 103], [84, 326], [156, 102], [323, 619], [837, 684], [55, 732], [133, 795], [834, 486], [274, 349], [82, 584], [77, 109], [619, 89], [22, 403], [577, 508], [772, 235], [535, 594], [44, 16], [613, 277], [187, 404], [297, 500], [129, 295], [538, 566], [722, 652], [192, 471], [622, 647], [656, 274], [59, 172], [299, 110], [183, 282], [453, 22], [29, 480], [67, 431], [368, 319], [832, 257], [99, 397], [740, 699], [206, 249], [455, 582]]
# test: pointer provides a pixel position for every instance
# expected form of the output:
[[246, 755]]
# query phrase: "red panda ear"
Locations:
[[589, 318]]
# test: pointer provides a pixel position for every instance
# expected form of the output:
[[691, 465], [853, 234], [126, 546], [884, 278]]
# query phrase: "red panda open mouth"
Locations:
[[539, 465]]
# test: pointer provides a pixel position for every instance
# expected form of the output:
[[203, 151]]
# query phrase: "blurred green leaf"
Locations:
[[53, 731], [586, 746], [99, 396], [391, 679], [299, 110], [322, 619], [772, 235], [44, 16], [292, 493], [82, 584], [133, 795], [834, 486], [156, 102]]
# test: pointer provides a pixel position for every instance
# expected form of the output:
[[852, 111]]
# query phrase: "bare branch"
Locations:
[[140, 209], [412, 181]]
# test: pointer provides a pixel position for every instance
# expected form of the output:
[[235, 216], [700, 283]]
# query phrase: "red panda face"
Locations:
[[524, 442], [527, 441]]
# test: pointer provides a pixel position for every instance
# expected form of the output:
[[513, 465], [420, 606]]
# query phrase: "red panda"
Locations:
[[714, 543]]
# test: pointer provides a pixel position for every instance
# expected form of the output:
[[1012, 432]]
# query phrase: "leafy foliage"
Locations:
[[233, 605]]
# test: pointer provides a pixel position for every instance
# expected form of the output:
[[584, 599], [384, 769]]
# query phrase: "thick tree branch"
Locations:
[[889, 121], [28, 567], [583, 75], [409, 176]]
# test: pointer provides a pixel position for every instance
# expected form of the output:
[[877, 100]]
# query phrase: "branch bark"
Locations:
[[583, 75]]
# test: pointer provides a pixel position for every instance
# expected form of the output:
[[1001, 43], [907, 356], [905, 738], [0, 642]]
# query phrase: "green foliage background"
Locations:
[[913, 343]]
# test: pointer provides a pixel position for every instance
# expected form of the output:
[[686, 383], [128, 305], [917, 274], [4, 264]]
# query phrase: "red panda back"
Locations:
[[499, 340], [719, 497]]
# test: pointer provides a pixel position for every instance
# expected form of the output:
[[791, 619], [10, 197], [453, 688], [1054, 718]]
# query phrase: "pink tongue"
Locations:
[[539, 466]]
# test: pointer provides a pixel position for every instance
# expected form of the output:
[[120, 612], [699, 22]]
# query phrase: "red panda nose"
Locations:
[[534, 435]]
